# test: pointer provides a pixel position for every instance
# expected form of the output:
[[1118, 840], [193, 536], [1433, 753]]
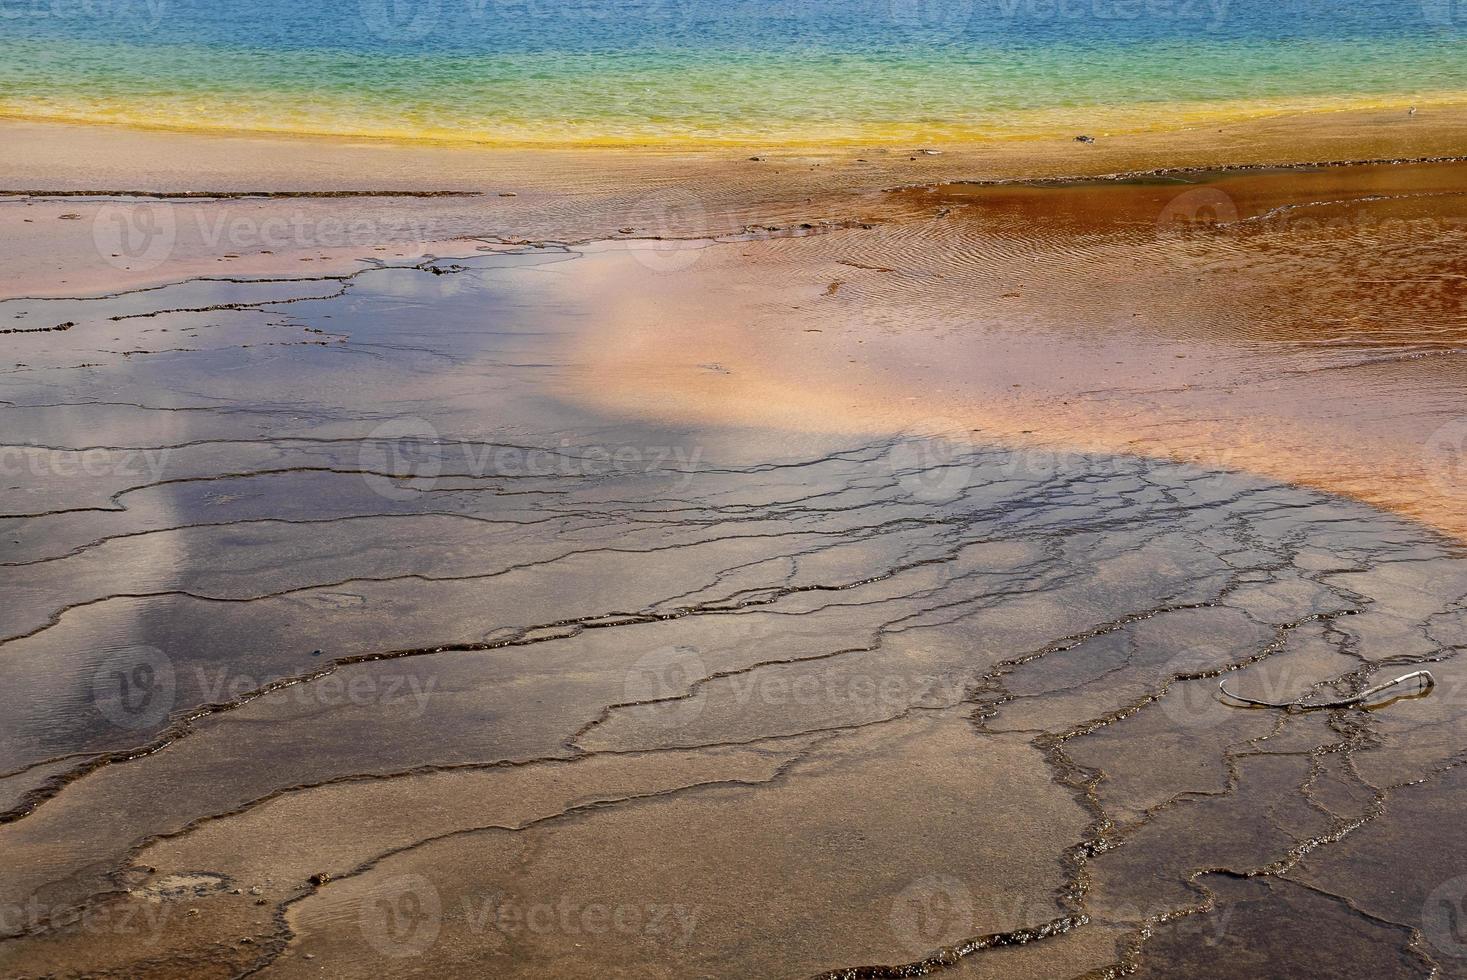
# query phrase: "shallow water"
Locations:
[[339, 634], [701, 71], [1306, 324]]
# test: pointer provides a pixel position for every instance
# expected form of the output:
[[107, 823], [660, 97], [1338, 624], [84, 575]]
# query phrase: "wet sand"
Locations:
[[571, 195], [1306, 325], [845, 600]]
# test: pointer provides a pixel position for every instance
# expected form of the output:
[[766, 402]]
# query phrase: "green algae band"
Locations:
[[698, 71]]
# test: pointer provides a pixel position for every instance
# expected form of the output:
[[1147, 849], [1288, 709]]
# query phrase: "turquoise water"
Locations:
[[699, 70]]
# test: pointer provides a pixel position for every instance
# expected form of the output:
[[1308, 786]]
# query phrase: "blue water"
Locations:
[[593, 70]]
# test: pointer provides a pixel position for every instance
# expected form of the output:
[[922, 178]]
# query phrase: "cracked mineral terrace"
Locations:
[[493, 614]]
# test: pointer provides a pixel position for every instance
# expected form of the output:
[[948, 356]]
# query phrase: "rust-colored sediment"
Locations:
[[1304, 324]]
